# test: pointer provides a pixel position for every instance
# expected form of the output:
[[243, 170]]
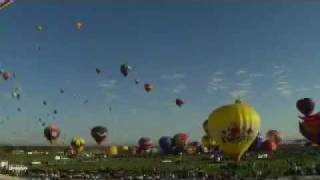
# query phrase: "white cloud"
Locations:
[[218, 73], [111, 84], [286, 92], [304, 89], [281, 82], [241, 71], [316, 86], [244, 84], [216, 80], [179, 88], [172, 76], [256, 75], [239, 93], [112, 96]]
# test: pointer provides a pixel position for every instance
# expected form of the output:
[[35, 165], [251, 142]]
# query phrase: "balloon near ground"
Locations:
[[208, 141], [275, 136], [166, 144], [112, 150], [145, 144], [310, 130], [181, 140], [205, 126], [257, 143], [309, 127], [77, 143], [269, 146], [234, 127]]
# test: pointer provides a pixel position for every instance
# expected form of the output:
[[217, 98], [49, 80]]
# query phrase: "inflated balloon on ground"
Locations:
[[234, 127]]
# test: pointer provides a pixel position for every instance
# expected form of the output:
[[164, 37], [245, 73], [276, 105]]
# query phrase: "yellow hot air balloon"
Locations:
[[112, 150], [234, 127], [207, 141], [124, 149]]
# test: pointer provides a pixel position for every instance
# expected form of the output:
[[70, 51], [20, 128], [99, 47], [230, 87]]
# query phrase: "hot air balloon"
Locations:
[[98, 71], [181, 140], [311, 129], [148, 87], [77, 143], [5, 3], [305, 106], [136, 81], [70, 151], [125, 69], [208, 142], [16, 93], [99, 133], [257, 143], [269, 146], [7, 75], [234, 127], [61, 91], [44, 103], [179, 102], [145, 144], [205, 126], [112, 150], [52, 133], [39, 28], [166, 144], [124, 149], [79, 25], [274, 136]]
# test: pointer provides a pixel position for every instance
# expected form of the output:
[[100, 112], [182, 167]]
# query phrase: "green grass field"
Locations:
[[288, 160]]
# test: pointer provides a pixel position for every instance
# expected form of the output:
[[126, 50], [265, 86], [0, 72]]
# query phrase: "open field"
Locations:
[[288, 160]]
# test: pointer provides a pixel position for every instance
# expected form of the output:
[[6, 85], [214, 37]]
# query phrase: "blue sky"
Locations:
[[205, 52]]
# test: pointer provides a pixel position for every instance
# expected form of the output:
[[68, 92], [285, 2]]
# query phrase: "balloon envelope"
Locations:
[[205, 126], [179, 102], [78, 143], [99, 133], [257, 143], [310, 130], [305, 106], [148, 87], [234, 127], [124, 69], [269, 146], [207, 141], [145, 143], [181, 140], [166, 144], [275, 136], [52, 133]]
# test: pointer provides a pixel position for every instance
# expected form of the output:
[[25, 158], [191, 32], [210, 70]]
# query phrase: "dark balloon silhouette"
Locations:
[[179, 102], [99, 133], [148, 87], [305, 106]]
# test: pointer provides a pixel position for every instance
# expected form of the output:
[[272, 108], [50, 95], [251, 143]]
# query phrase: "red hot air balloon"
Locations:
[[305, 106], [179, 102], [145, 143], [52, 133], [269, 146]]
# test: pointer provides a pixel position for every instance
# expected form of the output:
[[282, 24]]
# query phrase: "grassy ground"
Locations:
[[288, 160]]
